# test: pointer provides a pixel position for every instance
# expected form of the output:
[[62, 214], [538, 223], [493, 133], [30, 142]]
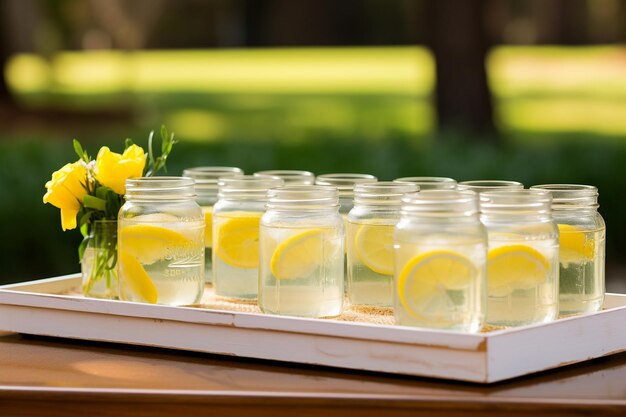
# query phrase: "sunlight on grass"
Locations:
[[360, 93], [402, 70], [196, 125], [555, 115]]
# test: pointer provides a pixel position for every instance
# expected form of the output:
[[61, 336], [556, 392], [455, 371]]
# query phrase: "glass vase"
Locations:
[[99, 261]]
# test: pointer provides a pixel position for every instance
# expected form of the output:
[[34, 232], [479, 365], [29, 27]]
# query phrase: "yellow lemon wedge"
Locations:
[[136, 279], [373, 245], [514, 267], [208, 226], [238, 240], [150, 243], [574, 245], [298, 255], [424, 280]]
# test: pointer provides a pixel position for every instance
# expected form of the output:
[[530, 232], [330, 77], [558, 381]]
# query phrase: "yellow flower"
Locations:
[[112, 169], [66, 190]]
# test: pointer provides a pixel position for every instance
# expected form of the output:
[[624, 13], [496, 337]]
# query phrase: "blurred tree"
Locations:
[[6, 99], [457, 35]]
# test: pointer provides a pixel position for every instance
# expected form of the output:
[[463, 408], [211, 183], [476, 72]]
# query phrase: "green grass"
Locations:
[[292, 94]]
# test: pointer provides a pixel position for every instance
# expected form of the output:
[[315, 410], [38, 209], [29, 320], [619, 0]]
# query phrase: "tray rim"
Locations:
[[490, 351]]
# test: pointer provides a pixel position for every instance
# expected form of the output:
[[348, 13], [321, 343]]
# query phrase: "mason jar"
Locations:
[[290, 177], [440, 261], [481, 186], [345, 183], [301, 253], [236, 217], [522, 267], [430, 183], [161, 242], [582, 243], [369, 240], [206, 190]]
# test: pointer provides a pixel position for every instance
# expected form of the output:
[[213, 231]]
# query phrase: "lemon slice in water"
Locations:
[[238, 240], [424, 281], [514, 267], [298, 255], [208, 226], [135, 278], [150, 243], [373, 245], [574, 245]]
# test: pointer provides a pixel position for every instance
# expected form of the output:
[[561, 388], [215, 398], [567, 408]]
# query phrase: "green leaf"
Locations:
[[103, 191], [82, 247], [78, 148], [128, 143], [95, 203], [165, 139]]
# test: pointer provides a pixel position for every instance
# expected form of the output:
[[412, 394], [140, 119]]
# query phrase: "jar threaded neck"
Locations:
[[440, 203], [247, 187], [302, 197], [383, 193], [160, 188], [571, 196]]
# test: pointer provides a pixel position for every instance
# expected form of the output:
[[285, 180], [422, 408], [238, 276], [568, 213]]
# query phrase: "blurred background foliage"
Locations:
[[529, 90]]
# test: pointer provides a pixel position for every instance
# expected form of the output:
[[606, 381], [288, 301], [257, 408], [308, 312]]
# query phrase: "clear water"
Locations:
[[208, 244], [458, 308], [538, 303], [179, 274], [230, 280], [364, 285], [581, 279], [319, 292]]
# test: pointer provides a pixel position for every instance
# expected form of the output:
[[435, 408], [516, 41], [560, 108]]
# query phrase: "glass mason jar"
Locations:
[[430, 183], [369, 240], [301, 253], [581, 247], [236, 218], [481, 186], [290, 177], [440, 255], [161, 242], [345, 183], [206, 189], [98, 262], [522, 267]]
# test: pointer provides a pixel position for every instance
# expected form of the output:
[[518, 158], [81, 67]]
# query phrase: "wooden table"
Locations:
[[47, 376]]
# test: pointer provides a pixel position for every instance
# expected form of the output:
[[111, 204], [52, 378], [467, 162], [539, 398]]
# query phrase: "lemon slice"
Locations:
[[515, 267], [238, 240], [424, 280], [373, 245], [574, 245], [299, 255], [136, 278], [208, 226], [150, 243]]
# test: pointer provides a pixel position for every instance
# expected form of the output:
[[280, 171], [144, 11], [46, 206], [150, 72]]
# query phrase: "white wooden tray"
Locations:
[[37, 308]]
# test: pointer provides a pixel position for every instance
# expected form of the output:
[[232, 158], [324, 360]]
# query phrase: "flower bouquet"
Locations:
[[90, 193]]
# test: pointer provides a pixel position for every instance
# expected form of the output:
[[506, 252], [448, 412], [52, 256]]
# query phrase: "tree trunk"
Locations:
[[459, 42]]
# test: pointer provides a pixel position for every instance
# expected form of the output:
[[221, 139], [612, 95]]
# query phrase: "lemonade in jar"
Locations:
[[369, 239], [582, 235], [301, 253], [440, 261], [161, 242], [236, 219], [522, 263], [206, 179]]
